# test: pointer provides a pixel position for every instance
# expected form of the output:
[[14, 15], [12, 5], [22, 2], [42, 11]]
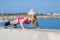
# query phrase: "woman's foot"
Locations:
[[5, 26], [15, 27]]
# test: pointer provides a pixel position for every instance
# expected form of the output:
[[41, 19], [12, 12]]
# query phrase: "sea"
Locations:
[[44, 23]]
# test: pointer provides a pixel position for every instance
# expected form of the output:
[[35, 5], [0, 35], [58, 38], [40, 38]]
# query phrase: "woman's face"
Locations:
[[33, 19]]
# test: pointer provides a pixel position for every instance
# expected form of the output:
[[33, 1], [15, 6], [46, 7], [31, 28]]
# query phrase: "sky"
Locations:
[[39, 6]]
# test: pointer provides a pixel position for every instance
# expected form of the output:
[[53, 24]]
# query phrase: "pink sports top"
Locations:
[[21, 18]]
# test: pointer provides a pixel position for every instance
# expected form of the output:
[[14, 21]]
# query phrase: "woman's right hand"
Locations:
[[23, 28]]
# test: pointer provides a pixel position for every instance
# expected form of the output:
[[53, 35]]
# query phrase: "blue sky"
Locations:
[[39, 6]]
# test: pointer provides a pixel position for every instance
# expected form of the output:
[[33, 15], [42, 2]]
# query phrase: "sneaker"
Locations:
[[5, 26], [15, 27]]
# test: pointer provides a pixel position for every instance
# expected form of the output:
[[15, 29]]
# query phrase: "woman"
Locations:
[[23, 20]]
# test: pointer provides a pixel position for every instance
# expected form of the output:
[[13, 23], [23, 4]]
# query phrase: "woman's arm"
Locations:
[[22, 22], [36, 23], [22, 25]]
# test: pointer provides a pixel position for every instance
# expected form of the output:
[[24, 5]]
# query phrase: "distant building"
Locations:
[[56, 13], [31, 12]]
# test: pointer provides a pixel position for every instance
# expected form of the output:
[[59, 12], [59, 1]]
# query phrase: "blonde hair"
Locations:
[[34, 19], [34, 16]]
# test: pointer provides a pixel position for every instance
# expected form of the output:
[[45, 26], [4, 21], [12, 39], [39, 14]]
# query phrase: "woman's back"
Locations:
[[21, 18]]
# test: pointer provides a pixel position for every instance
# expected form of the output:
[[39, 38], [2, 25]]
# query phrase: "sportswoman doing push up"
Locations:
[[23, 20]]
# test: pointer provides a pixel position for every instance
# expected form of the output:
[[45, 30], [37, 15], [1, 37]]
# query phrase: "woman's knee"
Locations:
[[13, 22]]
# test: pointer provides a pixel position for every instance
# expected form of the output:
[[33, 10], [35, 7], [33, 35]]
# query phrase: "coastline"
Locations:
[[38, 16], [4, 17]]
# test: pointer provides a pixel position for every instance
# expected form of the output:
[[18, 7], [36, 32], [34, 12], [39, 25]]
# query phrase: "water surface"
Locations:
[[44, 23]]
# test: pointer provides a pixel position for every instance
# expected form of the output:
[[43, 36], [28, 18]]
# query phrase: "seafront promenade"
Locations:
[[29, 34]]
